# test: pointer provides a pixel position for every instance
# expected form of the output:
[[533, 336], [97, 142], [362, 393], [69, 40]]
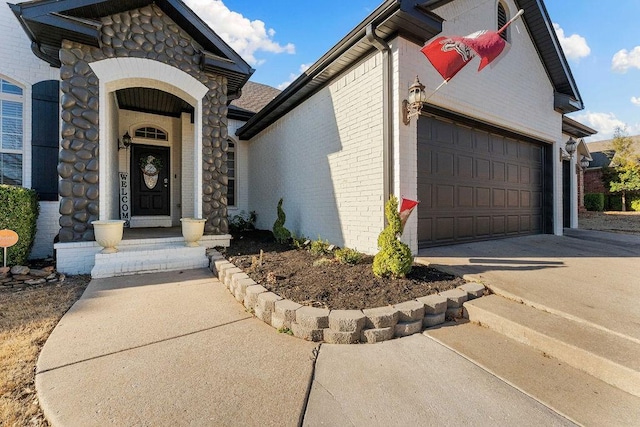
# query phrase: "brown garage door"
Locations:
[[475, 185]]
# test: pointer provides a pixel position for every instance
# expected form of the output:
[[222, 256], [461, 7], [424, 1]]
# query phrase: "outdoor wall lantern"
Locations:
[[412, 106], [126, 141], [584, 162], [571, 146]]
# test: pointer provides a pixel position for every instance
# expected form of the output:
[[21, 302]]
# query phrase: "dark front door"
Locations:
[[150, 180], [566, 193]]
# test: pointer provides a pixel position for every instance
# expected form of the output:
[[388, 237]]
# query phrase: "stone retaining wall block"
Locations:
[[410, 311], [403, 329], [473, 290], [454, 313], [263, 315], [336, 337], [346, 321], [218, 264], [234, 281], [241, 288], [433, 319], [308, 334], [434, 304], [251, 296], [380, 317], [266, 302], [372, 336], [284, 313], [228, 276], [312, 317], [455, 297]]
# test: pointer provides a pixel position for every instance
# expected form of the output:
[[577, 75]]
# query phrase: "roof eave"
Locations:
[[423, 26]]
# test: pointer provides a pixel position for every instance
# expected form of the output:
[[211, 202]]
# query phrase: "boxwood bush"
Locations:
[[594, 201], [19, 211]]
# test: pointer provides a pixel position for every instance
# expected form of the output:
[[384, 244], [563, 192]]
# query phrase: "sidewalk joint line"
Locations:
[[143, 345]]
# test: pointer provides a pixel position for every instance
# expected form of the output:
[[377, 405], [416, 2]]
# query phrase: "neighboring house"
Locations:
[[602, 153], [484, 158]]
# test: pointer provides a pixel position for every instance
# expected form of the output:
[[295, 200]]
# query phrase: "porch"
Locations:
[[142, 250]]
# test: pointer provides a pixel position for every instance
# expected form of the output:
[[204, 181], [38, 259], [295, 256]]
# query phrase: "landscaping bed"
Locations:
[[322, 281], [614, 221]]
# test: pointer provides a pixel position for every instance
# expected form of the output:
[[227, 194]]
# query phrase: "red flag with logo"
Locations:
[[406, 207], [448, 55]]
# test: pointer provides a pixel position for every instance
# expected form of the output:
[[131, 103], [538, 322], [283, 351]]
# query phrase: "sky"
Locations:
[[601, 40]]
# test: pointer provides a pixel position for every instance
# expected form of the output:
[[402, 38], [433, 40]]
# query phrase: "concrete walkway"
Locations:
[[176, 349]]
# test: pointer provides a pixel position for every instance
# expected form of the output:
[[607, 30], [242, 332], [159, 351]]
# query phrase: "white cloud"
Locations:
[[246, 37], [293, 76], [623, 60], [574, 46], [605, 124], [635, 100]]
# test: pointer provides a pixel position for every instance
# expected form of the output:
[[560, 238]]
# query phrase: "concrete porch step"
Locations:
[[168, 256], [570, 392], [604, 355]]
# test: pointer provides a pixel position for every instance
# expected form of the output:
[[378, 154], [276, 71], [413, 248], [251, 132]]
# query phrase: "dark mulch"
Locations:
[[291, 274]]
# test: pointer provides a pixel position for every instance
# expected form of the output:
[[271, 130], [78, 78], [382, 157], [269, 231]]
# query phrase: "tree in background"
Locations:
[[626, 165]]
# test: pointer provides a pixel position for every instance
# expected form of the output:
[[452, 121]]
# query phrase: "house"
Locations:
[[134, 83], [602, 153]]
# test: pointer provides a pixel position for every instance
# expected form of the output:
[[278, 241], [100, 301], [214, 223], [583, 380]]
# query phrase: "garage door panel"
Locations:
[[483, 226], [444, 196], [476, 185], [444, 228], [465, 197]]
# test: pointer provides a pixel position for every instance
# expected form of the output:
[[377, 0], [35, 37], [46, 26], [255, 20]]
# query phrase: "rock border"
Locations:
[[370, 325]]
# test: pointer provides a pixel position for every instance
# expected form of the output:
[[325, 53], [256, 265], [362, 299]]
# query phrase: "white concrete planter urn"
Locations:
[[192, 230], [108, 234]]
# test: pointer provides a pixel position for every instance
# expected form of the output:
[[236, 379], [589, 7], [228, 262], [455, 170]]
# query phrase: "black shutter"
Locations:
[[45, 138]]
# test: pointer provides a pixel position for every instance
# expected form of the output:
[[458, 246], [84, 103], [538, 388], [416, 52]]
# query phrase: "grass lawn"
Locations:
[[27, 317]]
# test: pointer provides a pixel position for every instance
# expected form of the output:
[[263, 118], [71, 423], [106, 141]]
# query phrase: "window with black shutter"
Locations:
[[45, 138]]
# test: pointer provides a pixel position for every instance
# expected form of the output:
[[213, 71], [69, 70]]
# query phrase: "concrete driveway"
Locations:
[[588, 276], [177, 349]]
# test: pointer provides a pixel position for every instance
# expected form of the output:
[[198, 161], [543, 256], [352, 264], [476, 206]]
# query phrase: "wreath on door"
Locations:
[[150, 166]]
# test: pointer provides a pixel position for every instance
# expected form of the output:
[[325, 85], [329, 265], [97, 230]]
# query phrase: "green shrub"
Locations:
[[348, 256], [281, 234], [394, 258], [243, 221], [319, 247], [635, 203], [19, 211], [613, 202], [594, 201]]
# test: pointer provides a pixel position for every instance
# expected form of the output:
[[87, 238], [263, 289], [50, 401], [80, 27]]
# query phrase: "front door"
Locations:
[[150, 180]]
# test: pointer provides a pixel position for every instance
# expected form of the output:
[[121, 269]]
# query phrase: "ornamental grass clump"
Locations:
[[394, 258], [280, 233]]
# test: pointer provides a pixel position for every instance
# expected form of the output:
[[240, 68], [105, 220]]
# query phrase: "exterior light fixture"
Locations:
[[584, 162], [126, 141], [571, 146], [412, 106]]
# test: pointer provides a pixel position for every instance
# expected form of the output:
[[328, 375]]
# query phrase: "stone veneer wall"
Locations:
[[141, 33]]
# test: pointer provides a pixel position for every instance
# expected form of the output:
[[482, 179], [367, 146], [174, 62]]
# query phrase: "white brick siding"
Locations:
[[325, 158]]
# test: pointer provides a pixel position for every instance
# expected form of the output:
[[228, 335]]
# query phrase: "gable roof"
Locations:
[[417, 22], [602, 151], [48, 22]]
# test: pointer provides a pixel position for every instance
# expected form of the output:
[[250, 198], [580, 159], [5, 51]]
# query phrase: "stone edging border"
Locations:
[[369, 325]]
